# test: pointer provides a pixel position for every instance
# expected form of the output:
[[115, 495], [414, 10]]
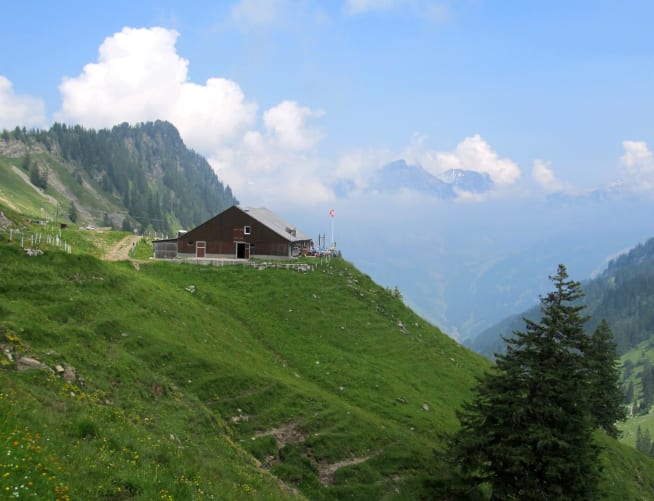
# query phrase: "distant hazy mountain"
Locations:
[[399, 175], [611, 192], [623, 294], [467, 180]]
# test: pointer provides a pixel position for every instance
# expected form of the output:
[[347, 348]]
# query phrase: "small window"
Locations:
[[191, 242], [246, 230]]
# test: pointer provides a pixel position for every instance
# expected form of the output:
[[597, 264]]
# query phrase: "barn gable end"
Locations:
[[242, 233]]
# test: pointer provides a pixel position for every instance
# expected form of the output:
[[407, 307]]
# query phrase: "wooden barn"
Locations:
[[237, 233]]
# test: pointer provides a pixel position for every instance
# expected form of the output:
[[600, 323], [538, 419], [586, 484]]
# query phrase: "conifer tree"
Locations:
[[73, 213], [604, 394], [528, 431]]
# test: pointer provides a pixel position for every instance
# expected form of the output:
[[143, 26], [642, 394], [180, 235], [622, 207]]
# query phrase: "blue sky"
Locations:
[[542, 95]]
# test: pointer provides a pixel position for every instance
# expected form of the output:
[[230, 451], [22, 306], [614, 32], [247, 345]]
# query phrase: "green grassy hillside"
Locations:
[[171, 381], [191, 383], [637, 358]]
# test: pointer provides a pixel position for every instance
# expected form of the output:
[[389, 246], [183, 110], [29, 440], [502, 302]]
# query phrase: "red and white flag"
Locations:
[[331, 212]]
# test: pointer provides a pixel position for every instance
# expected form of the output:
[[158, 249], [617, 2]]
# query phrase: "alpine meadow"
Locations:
[[127, 377]]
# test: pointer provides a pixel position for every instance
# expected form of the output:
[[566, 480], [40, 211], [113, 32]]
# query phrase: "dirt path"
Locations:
[[327, 471], [120, 251], [290, 433]]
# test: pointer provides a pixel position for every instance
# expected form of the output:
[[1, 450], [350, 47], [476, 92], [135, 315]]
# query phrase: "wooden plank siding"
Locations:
[[222, 232]]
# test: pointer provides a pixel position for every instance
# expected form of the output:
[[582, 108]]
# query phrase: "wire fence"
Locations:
[[34, 242]]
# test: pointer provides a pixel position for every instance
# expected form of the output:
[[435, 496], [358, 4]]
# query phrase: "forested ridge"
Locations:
[[146, 168]]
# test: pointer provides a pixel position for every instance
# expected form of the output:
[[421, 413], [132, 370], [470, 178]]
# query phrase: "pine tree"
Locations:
[[529, 432], [73, 213], [605, 394], [38, 178]]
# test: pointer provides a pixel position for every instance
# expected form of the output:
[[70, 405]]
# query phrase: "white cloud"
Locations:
[[637, 163], [278, 165], [139, 76], [473, 153], [545, 177], [288, 123], [207, 115], [261, 173], [637, 158], [19, 110]]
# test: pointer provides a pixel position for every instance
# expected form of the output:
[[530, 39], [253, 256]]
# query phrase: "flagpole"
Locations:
[[331, 214], [332, 232]]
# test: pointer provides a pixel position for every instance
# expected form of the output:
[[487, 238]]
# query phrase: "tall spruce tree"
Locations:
[[73, 213], [529, 432], [604, 393]]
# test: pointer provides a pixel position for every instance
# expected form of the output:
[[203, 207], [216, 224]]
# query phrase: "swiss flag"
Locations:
[[331, 212]]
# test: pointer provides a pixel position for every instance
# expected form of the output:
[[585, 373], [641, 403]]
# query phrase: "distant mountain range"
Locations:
[[399, 175]]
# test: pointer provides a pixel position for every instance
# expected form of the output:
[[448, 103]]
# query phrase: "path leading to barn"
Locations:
[[120, 251]]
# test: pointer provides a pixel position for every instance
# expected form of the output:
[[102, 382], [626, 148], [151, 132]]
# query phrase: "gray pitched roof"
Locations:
[[275, 223]]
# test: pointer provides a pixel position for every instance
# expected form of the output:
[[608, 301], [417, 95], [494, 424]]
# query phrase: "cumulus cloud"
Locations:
[[637, 158], [473, 153], [288, 123], [261, 172], [278, 163], [637, 164], [139, 76], [19, 110], [211, 114], [545, 177]]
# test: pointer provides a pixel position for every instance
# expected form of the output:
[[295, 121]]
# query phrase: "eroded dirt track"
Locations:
[[120, 251]]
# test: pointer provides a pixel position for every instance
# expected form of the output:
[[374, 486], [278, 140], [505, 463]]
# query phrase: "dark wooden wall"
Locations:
[[218, 232]]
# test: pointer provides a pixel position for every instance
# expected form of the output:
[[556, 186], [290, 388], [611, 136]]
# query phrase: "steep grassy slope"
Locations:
[[19, 194], [17, 191], [174, 387], [636, 361], [195, 382]]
